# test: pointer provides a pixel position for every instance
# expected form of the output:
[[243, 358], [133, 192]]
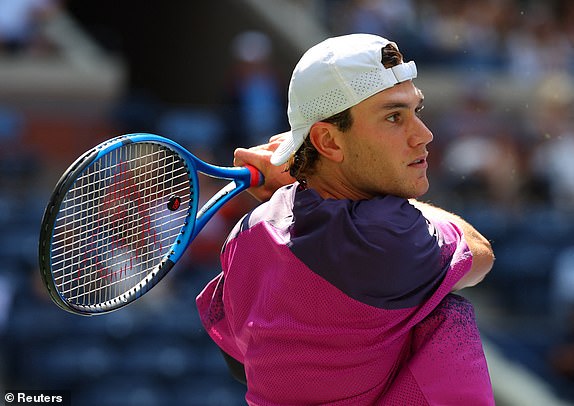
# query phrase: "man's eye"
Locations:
[[393, 118]]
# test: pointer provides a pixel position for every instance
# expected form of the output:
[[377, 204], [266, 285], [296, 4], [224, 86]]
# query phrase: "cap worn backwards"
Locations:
[[333, 76]]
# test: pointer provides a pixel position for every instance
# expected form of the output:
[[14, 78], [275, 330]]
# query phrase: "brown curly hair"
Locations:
[[303, 163]]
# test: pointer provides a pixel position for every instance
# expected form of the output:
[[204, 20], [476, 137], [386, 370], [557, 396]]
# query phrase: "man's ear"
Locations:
[[324, 139]]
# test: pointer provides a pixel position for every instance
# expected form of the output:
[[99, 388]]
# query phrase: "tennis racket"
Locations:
[[122, 215]]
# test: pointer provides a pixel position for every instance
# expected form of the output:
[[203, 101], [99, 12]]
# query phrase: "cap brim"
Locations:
[[290, 145]]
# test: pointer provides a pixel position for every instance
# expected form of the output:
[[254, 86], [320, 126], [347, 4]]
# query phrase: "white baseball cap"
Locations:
[[333, 76]]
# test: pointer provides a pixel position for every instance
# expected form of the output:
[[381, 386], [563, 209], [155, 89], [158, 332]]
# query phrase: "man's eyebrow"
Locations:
[[402, 105]]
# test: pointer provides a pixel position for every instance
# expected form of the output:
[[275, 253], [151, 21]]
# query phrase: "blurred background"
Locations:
[[498, 76]]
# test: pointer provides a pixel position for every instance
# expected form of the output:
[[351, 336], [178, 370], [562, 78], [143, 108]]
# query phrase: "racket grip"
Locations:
[[257, 178]]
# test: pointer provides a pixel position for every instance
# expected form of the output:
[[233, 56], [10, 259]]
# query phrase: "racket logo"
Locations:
[[174, 203]]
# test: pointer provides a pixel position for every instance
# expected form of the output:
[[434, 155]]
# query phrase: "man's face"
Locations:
[[385, 149]]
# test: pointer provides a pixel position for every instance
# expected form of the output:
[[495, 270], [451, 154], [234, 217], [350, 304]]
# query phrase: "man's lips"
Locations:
[[420, 162]]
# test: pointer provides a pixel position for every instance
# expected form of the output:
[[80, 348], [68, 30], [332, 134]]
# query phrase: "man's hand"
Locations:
[[260, 157]]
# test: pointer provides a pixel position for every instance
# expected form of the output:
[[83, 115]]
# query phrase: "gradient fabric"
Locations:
[[339, 302]]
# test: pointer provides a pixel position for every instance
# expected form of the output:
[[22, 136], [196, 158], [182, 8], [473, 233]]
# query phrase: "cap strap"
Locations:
[[404, 71]]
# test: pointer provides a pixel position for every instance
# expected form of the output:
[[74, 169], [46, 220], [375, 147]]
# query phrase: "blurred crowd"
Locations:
[[505, 167], [524, 37], [21, 24]]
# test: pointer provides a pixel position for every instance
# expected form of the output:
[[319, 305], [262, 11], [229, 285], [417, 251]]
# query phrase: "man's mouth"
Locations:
[[422, 161]]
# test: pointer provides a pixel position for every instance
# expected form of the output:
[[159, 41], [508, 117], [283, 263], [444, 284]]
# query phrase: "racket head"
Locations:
[[118, 220]]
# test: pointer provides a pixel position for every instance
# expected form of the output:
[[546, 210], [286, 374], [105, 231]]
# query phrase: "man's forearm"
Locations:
[[483, 256]]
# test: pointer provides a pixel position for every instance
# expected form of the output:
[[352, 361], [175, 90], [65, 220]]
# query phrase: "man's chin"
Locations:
[[418, 191]]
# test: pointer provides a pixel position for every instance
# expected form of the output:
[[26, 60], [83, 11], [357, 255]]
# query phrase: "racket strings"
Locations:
[[62, 256], [130, 218], [114, 226], [96, 181], [87, 274]]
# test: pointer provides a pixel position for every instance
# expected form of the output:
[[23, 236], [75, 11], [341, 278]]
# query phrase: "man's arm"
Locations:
[[482, 254], [275, 177]]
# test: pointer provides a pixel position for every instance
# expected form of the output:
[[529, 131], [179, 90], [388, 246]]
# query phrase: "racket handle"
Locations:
[[257, 178]]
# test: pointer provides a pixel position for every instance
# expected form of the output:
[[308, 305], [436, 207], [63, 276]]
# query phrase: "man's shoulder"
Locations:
[[277, 211]]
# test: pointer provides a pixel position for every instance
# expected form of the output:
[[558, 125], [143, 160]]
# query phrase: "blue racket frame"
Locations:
[[241, 178]]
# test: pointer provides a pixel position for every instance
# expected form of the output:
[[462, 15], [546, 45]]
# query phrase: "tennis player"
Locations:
[[338, 290]]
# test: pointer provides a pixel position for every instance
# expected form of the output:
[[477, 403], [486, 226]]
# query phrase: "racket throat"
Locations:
[[212, 205]]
